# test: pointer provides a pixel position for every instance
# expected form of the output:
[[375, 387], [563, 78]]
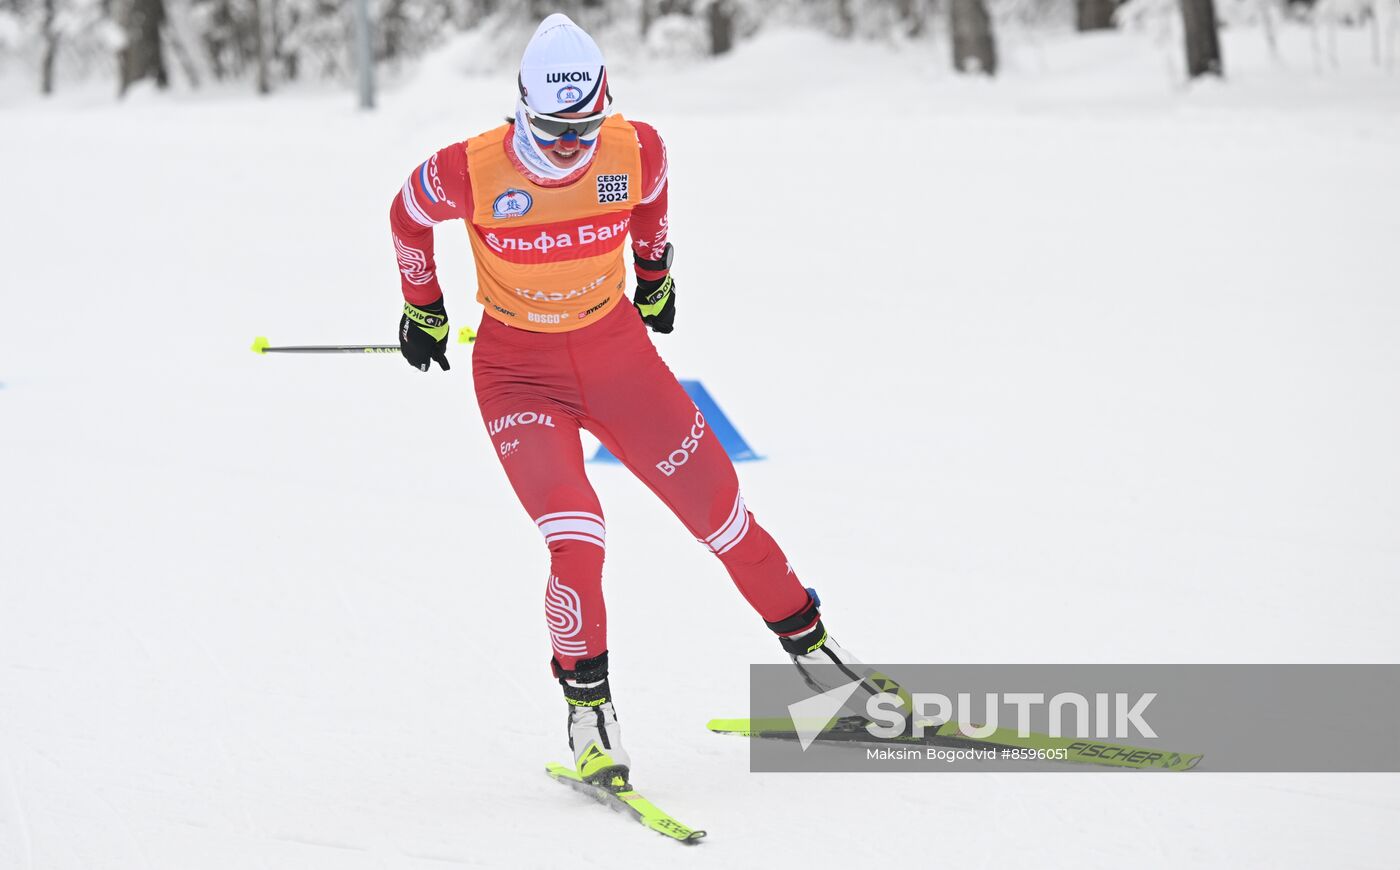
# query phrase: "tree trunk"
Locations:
[[181, 53], [974, 48], [911, 15], [260, 46], [721, 20], [142, 56], [845, 19], [1202, 39], [1266, 18], [364, 53], [1094, 14], [50, 47], [541, 8]]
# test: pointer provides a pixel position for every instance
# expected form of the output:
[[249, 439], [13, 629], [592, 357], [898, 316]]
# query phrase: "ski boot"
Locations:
[[594, 735], [814, 652]]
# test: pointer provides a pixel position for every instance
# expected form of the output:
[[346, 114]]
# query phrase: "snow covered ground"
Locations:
[[1079, 365]]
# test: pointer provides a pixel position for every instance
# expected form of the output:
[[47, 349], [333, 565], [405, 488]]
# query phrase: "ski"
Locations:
[[628, 801], [851, 730]]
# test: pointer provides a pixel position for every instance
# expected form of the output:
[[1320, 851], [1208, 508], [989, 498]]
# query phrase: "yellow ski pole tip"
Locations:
[[260, 344], [466, 336]]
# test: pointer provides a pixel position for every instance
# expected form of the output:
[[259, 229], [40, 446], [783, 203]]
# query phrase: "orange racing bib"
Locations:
[[550, 259]]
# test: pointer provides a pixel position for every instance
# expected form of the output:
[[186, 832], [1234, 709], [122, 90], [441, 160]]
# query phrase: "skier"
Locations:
[[548, 199]]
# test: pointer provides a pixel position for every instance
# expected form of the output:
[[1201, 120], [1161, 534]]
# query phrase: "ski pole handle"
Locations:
[[261, 345]]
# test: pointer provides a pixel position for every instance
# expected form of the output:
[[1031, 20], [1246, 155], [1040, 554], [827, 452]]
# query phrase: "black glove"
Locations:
[[656, 297], [423, 334]]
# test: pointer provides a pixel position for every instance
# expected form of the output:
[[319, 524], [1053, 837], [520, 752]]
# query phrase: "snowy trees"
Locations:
[[721, 20], [54, 35], [266, 44]]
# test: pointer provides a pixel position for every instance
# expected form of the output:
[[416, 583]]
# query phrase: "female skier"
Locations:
[[548, 199]]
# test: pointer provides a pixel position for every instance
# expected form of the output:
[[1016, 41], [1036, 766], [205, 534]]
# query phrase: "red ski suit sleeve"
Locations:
[[649, 222], [436, 191], [439, 189]]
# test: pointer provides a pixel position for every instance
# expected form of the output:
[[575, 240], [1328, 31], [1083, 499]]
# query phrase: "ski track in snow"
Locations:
[[1139, 363]]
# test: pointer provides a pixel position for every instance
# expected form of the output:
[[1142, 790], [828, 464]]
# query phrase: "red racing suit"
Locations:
[[559, 350]]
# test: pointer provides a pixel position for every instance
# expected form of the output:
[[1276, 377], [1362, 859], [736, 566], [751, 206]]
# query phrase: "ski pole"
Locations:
[[262, 346]]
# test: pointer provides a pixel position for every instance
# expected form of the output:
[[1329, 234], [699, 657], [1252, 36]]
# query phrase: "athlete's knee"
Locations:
[[729, 534], [576, 540], [583, 527]]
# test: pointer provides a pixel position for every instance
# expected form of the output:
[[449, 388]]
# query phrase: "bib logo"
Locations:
[[512, 203], [612, 188], [556, 77], [568, 95], [594, 310]]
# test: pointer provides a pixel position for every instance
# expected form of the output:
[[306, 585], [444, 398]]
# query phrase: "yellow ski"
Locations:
[[626, 799]]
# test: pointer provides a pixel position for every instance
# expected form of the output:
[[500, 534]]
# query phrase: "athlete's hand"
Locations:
[[423, 335], [657, 302], [656, 291]]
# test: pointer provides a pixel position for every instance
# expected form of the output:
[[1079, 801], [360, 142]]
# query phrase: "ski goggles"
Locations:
[[547, 129]]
